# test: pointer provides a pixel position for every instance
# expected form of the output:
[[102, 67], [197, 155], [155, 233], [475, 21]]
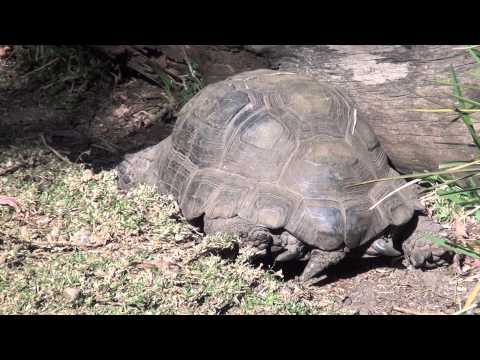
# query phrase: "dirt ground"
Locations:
[[108, 122]]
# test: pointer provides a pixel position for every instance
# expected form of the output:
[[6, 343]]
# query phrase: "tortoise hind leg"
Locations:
[[319, 261], [262, 239]]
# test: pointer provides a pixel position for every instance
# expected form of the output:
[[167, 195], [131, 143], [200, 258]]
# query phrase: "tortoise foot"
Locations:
[[424, 254], [419, 251], [319, 261]]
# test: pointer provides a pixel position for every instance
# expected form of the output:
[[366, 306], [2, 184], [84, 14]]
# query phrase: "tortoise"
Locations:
[[276, 158]]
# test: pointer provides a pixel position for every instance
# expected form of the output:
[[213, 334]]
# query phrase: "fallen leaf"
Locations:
[[164, 265], [81, 237], [476, 264], [121, 111], [44, 220], [460, 229], [71, 294], [9, 201], [4, 50], [88, 175], [173, 71]]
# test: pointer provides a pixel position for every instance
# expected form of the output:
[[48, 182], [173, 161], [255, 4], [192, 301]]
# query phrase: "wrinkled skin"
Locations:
[[418, 251]]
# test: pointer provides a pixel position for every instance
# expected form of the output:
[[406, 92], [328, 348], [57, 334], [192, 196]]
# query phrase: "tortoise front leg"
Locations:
[[288, 247], [258, 236], [283, 247], [419, 251]]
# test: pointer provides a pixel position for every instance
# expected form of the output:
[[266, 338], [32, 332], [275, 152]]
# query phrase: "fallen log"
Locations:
[[387, 83]]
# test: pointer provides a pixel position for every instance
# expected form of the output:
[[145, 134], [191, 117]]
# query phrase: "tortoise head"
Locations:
[[395, 201], [401, 214]]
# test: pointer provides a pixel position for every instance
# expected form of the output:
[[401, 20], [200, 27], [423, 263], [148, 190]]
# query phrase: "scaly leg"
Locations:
[[287, 247], [258, 236], [420, 252], [319, 261]]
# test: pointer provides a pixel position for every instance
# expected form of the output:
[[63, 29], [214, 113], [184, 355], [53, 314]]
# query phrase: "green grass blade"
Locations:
[[455, 83], [457, 92], [470, 101], [466, 203], [474, 54], [458, 169], [461, 110], [467, 190], [451, 164], [452, 247], [449, 84]]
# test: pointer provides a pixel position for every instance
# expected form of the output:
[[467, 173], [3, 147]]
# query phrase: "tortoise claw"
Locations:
[[314, 266]]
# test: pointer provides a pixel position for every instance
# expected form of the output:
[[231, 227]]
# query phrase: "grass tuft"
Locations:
[[57, 69], [78, 245]]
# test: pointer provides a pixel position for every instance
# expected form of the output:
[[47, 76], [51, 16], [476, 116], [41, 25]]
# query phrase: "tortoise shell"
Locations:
[[282, 151]]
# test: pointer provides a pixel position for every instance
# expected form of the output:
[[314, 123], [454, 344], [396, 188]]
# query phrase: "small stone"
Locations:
[[121, 111], [363, 312], [347, 300], [286, 293], [71, 294], [88, 175], [81, 237], [44, 220]]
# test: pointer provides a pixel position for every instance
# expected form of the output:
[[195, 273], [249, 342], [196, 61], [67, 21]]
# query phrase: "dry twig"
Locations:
[[11, 169], [413, 312], [60, 156]]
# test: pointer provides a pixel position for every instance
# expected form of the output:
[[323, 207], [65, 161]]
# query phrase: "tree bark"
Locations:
[[216, 62], [387, 83]]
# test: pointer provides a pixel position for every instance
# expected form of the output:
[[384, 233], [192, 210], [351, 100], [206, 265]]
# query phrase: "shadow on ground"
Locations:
[[96, 129], [101, 125]]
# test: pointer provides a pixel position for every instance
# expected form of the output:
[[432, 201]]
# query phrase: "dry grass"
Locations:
[[78, 245]]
